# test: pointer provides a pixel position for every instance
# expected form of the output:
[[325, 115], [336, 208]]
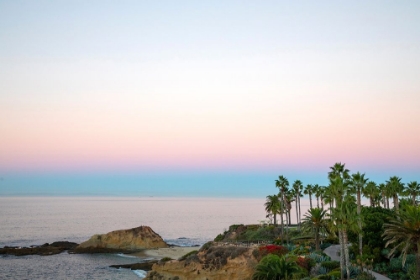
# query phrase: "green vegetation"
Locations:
[[385, 236]]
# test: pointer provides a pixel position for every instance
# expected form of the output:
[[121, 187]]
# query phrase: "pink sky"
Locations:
[[188, 87]]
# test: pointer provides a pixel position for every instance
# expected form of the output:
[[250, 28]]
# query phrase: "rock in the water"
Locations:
[[127, 240], [43, 250], [134, 266]]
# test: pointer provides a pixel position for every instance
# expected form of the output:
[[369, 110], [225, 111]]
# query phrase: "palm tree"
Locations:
[[346, 219], [309, 190], [404, 233], [339, 169], [282, 183], [272, 205], [315, 221], [317, 192], [372, 192], [413, 190], [395, 188], [358, 182], [297, 188], [338, 189], [384, 194], [273, 267]]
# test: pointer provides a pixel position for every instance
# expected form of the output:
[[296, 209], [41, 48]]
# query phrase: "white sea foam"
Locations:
[[126, 256], [140, 273]]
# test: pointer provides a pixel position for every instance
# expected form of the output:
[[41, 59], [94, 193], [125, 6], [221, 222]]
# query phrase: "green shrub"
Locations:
[[206, 246], [165, 259], [219, 237], [184, 257], [330, 265]]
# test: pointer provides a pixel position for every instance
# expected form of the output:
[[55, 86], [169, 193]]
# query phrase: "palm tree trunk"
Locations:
[[317, 247], [310, 200], [371, 202], [346, 253], [418, 260], [322, 203], [300, 214], [387, 202], [275, 219], [359, 222], [281, 215], [317, 201], [396, 204], [342, 260], [297, 210], [413, 197]]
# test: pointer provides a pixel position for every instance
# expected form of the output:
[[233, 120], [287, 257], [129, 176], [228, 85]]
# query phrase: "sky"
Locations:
[[205, 98]]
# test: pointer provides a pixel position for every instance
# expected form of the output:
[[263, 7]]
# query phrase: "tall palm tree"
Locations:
[[297, 188], [309, 190], [395, 188], [413, 190], [317, 192], [314, 221], [372, 192], [384, 194], [404, 233], [282, 183], [346, 219], [339, 181], [272, 205], [358, 183]]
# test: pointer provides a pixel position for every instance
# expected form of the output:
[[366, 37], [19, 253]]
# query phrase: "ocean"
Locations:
[[26, 221]]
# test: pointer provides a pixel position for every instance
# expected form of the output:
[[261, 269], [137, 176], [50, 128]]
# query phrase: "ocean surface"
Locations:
[[26, 221]]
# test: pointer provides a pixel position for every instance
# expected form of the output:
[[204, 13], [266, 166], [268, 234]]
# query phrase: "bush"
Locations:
[[330, 265], [273, 249], [184, 257], [164, 260], [206, 246]]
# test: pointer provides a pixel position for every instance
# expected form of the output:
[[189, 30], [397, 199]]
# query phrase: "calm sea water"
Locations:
[[26, 221]]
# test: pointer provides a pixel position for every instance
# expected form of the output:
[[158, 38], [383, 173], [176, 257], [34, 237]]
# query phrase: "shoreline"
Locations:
[[160, 253]]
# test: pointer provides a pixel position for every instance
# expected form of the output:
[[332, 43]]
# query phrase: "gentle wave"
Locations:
[[140, 273], [126, 256]]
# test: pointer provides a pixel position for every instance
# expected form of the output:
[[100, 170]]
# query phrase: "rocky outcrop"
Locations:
[[211, 262], [43, 250], [146, 266], [128, 240]]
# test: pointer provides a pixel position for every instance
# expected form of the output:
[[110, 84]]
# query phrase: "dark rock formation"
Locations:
[[134, 266], [43, 250]]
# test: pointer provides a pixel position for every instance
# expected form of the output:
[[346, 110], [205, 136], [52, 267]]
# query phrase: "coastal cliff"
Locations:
[[129, 240], [216, 262]]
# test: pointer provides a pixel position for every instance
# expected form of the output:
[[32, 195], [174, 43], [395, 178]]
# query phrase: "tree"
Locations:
[[340, 216], [403, 232], [315, 221], [358, 183], [282, 183], [372, 192], [413, 190], [317, 192], [384, 194], [395, 187], [273, 267], [297, 188], [272, 205], [309, 190]]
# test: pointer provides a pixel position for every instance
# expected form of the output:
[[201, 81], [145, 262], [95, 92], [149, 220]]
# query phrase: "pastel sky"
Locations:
[[231, 94]]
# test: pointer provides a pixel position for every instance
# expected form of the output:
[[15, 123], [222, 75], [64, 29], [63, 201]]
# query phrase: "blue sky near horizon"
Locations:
[[205, 98]]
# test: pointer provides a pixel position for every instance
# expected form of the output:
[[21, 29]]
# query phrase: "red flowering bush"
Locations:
[[306, 263], [273, 249]]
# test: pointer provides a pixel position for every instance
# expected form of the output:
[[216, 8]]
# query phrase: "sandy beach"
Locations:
[[172, 252]]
